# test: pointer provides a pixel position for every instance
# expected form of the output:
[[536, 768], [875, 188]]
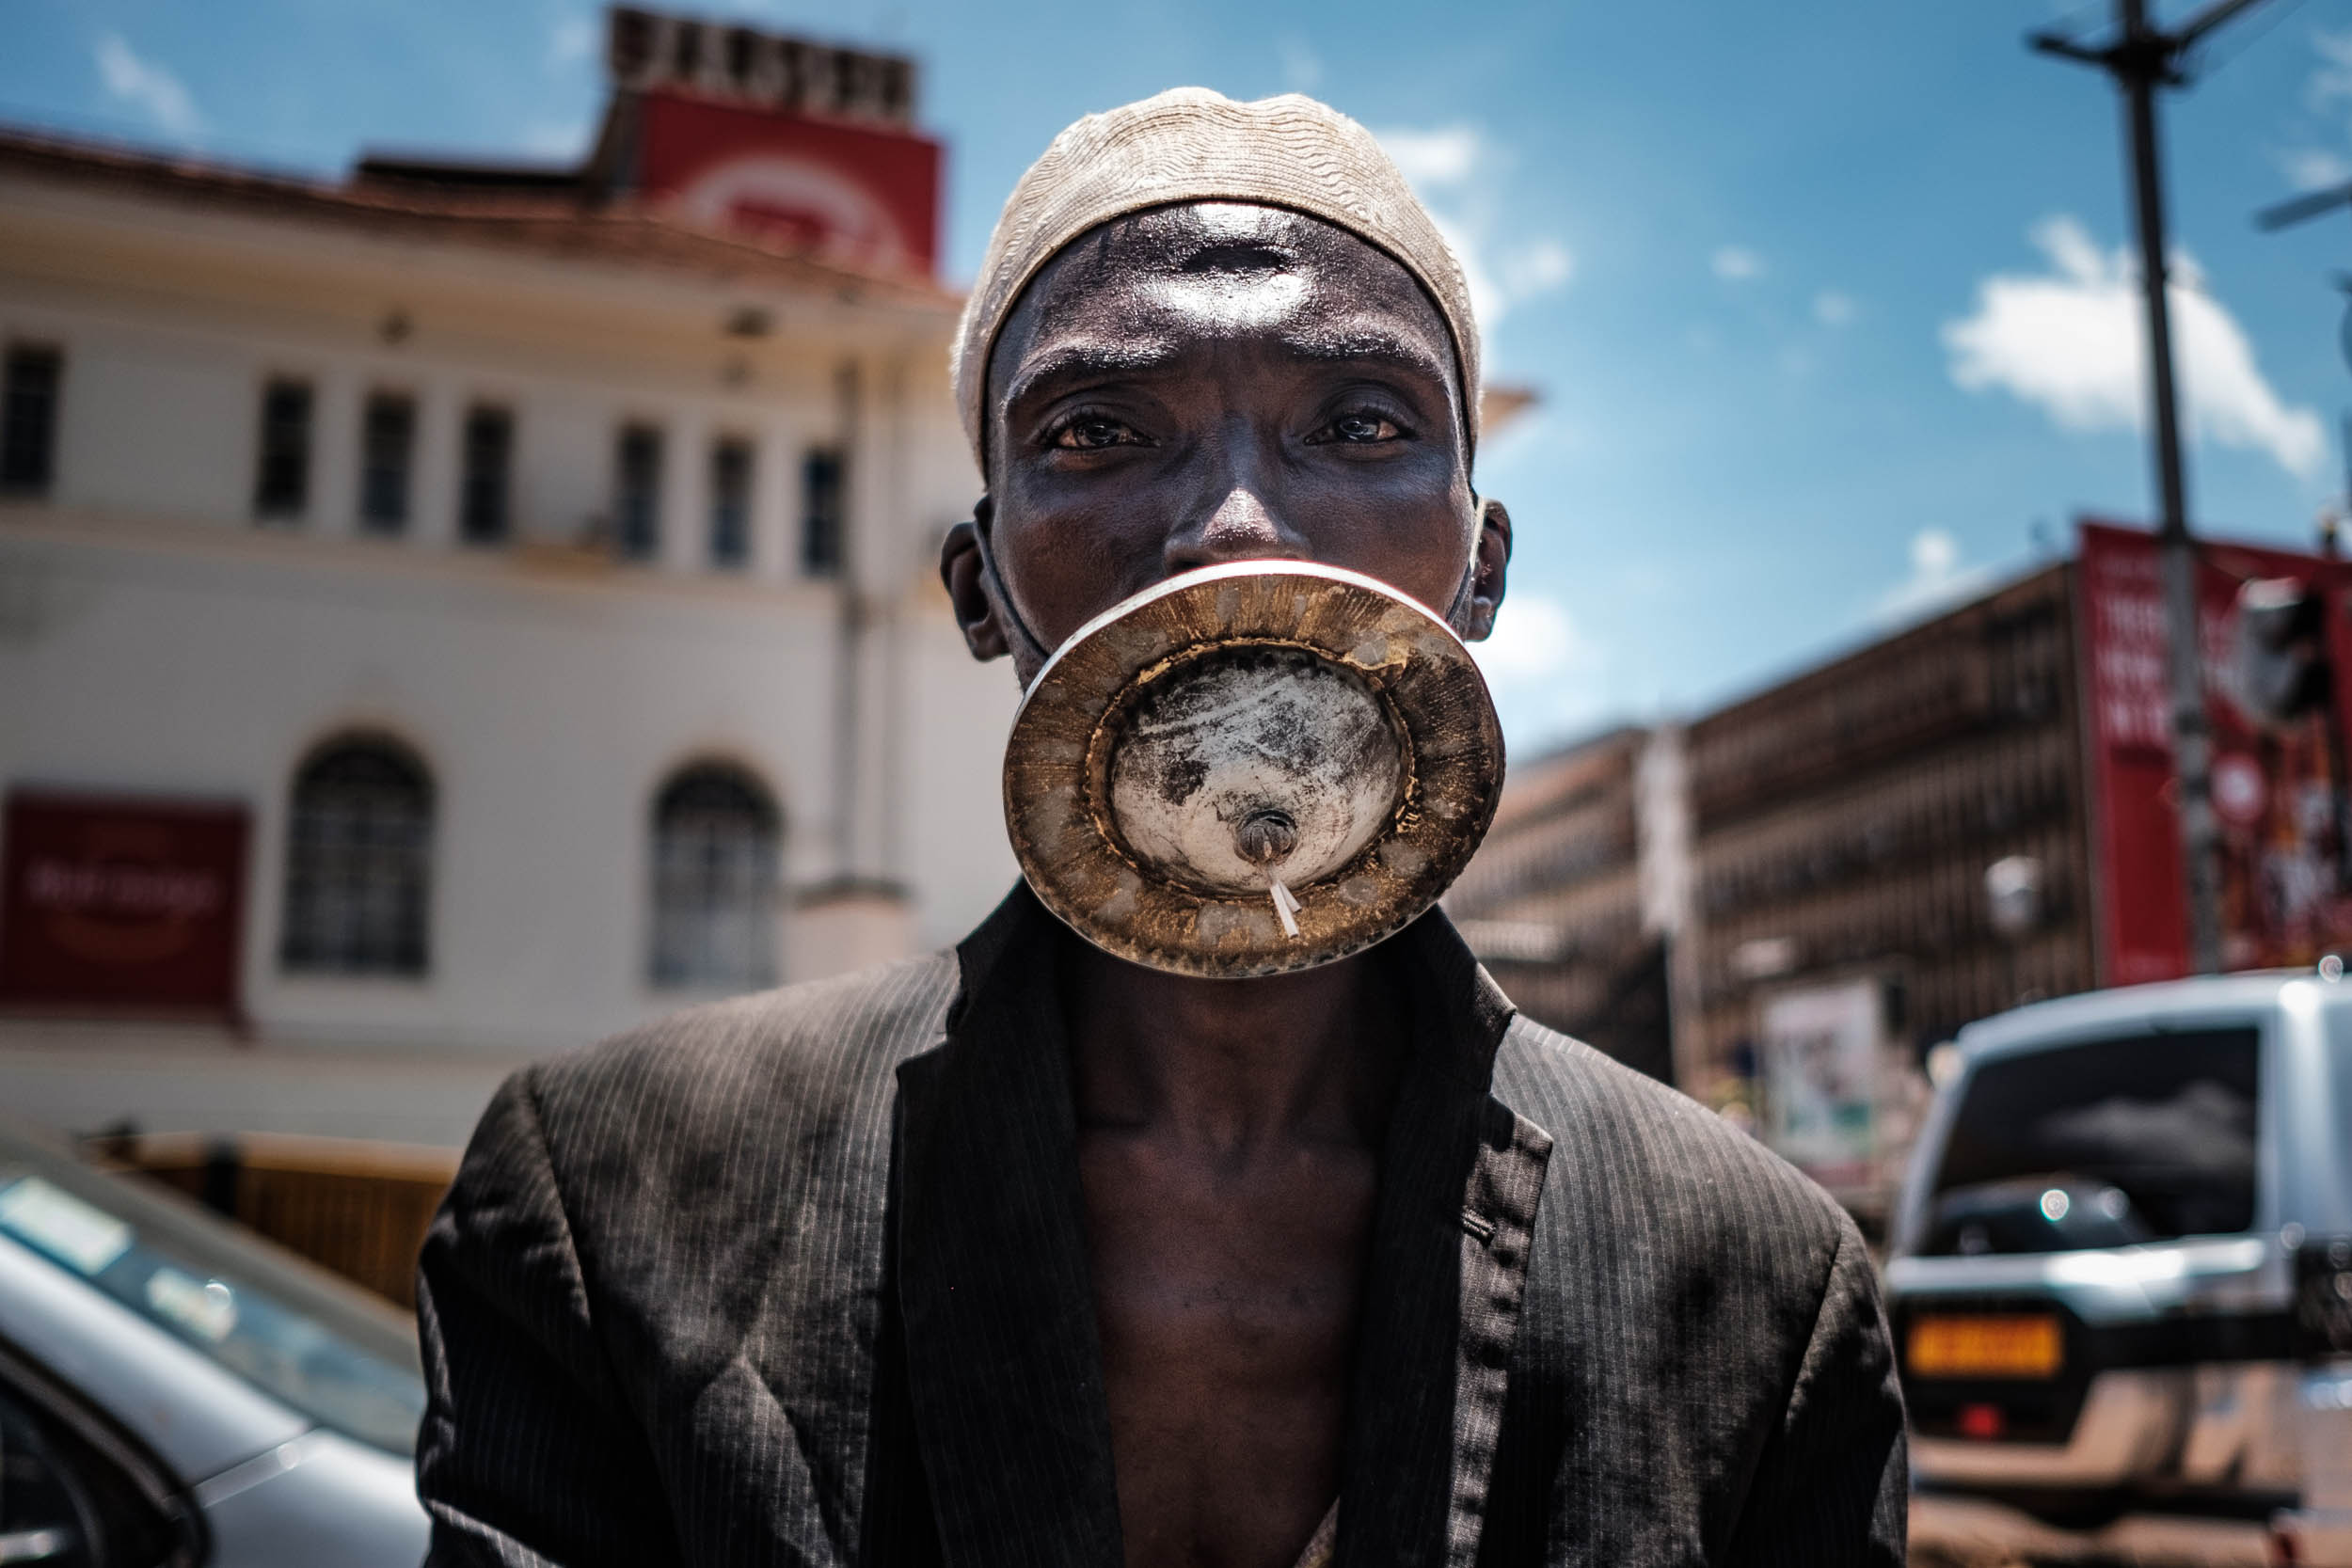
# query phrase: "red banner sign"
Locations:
[[120, 904], [2284, 897], [863, 195]]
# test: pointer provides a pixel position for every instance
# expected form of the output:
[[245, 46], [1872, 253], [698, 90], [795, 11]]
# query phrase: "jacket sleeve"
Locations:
[[1833, 1484], [526, 1457]]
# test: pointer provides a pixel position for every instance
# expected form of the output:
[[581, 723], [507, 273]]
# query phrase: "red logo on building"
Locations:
[[792, 142], [120, 904]]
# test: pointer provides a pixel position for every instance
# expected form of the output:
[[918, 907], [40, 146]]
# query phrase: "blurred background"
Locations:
[[471, 477]]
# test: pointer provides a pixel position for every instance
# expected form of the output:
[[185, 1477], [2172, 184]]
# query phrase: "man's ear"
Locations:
[[1490, 562], [968, 588]]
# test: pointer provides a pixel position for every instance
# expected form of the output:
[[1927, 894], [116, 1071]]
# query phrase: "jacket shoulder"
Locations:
[[820, 1039], [738, 1102]]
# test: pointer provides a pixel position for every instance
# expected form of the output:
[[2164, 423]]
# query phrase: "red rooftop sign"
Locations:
[[791, 141], [119, 904]]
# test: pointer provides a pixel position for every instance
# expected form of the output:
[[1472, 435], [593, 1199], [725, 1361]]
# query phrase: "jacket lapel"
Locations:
[[1003, 1368], [1460, 1177]]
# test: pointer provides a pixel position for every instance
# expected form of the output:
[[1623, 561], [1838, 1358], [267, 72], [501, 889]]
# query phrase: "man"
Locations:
[[1029, 1255]]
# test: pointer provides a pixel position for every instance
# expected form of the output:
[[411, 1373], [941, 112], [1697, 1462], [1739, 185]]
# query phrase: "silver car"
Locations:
[[174, 1392], [2122, 1237]]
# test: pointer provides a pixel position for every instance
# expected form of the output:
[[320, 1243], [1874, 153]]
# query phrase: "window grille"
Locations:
[[387, 440], [824, 495], [359, 857], [716, 841], [281, 484], [637, 492], [731, 503], [28, 420], [484, 498]]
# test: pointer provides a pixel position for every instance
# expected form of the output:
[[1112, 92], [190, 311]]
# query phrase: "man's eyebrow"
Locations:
[[1351, 344], [1084, 361], [1363, 344]]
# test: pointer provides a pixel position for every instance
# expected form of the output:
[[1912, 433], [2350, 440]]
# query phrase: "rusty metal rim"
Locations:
[[1057, 758]]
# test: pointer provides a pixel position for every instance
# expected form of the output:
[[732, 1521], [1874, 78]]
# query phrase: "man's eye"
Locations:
[[1361, 428], [1094, 435]]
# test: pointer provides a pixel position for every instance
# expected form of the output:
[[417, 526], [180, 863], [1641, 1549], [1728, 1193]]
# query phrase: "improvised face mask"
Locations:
[[1252, 769]]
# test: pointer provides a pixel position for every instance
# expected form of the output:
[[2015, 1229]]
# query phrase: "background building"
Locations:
[[451, 614], [1836, 873], [1557, 903]]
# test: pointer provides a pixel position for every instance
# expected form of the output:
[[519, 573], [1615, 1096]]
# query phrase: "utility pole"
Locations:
[[2141, 58]]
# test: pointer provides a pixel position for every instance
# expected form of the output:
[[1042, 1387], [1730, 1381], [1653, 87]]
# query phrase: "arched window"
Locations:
[[358, 861], [716, 837]]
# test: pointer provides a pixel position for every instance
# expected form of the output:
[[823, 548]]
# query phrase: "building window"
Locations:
[[731, 505], [28, 421], [637, 492], [358, 856], [486, 485], [824, 527], [281, 484], [716, 841], [387, 442]]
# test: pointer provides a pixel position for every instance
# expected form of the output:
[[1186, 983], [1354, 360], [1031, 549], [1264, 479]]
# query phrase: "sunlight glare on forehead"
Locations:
[[1230, 301]]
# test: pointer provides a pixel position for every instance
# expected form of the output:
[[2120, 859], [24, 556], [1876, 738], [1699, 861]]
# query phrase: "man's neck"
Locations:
[[1230, 1067]]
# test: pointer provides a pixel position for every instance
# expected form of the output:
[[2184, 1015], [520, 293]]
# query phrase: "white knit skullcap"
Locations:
[[1190, 144]]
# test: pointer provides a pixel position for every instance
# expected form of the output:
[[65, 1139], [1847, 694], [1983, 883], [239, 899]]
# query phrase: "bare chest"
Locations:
[[1226, 1300]]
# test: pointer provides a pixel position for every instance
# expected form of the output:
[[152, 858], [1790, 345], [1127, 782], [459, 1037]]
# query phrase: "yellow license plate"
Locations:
[[2019, 1345]]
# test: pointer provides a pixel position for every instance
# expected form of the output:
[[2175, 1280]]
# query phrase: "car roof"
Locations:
[[2201, 1001], [366, 1320]]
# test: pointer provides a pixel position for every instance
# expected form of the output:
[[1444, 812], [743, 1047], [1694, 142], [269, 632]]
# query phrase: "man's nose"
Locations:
[[1238, 516]]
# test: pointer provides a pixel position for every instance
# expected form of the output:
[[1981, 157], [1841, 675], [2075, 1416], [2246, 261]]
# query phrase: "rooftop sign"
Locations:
[[769, 70]]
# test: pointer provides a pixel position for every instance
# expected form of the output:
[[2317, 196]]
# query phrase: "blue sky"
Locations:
[[1825, 301]]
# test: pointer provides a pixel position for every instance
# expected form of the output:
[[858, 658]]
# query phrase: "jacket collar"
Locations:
[[1003, 1362]]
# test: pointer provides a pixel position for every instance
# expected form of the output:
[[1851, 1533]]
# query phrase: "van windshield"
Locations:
[[2102, 1143]]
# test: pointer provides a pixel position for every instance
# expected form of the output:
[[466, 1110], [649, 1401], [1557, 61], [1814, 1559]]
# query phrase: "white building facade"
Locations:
[[549, 595]]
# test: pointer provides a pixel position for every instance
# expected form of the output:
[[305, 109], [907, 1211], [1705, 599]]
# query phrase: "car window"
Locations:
[[66, 1505], [242, 1313], [2153, 1134]]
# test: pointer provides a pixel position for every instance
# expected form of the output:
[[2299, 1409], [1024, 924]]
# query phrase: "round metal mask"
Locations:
[[1252, 769]]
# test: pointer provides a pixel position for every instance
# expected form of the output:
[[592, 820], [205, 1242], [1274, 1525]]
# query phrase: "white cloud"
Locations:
[[1302, 68], [1937, 579], [1534, 639], [2310, 168], [556, 138], [572, 40], [1442, 157], [1459, 174], [1546, 675], [1538, 268], [148, 86], [1736, 264], [1831, 309], [2333, 79], [2071, 340]]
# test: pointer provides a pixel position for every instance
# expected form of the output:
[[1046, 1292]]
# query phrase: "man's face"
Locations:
[[1221, 382]]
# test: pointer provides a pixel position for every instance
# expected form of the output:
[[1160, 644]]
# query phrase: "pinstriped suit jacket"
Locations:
[[801, 1279]]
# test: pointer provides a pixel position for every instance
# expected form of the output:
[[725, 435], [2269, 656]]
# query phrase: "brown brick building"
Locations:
[[1660, 893], [1843, 821]]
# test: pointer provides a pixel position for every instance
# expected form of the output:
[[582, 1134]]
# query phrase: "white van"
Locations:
[[2121, 1265]]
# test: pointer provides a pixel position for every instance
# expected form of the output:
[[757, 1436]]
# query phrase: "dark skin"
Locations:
[[1200, 384]]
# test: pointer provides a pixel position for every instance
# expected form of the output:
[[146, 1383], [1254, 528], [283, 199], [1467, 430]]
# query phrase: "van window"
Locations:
[[2165, 1121]]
